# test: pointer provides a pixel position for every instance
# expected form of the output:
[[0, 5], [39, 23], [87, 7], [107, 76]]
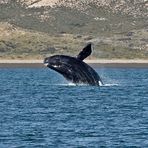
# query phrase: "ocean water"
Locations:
[[40, 109]]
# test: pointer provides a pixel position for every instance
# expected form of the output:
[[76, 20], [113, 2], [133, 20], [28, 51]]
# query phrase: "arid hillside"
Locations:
[[118, 29], [133, 7]]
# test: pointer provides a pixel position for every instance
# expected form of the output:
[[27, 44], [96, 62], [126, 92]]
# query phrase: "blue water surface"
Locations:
[[40, 109]]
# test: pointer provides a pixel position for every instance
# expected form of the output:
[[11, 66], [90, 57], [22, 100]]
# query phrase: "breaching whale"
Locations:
[[73, 68]]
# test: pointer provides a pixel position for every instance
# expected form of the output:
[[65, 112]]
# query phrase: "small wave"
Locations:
[[81, 84], [113, 84], [78, 84], [65, 84], [71, 84]]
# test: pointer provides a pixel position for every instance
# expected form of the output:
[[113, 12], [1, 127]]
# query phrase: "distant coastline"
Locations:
[[95, 63]]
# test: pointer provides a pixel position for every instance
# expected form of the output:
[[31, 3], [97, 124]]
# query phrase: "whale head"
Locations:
[[53, 62]]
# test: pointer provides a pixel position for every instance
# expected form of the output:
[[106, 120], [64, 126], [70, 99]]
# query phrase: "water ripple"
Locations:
[[39, 108]]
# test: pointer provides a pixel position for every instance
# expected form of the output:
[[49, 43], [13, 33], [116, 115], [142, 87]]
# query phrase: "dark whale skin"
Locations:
[[73, 69]]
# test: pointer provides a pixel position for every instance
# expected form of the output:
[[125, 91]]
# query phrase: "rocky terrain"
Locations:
[[118, 29], [130, 7]]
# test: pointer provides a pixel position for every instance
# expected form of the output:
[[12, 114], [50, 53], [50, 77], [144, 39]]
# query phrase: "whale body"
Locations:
[[73, 68]]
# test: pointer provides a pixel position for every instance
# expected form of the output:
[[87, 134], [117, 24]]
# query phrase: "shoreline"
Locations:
[[119, 63]]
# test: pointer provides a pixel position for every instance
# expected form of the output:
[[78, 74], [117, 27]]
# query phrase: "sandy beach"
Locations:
[[95, 63]]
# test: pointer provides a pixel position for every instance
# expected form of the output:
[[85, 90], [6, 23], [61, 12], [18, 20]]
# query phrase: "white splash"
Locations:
[[100, 83], [113, 84], [45, 64], [71, 84]]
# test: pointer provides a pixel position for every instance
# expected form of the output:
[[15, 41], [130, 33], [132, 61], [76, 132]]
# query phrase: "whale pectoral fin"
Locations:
[[85, 52]]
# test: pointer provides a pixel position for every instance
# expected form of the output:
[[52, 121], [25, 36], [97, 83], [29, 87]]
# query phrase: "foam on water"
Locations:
[[64, 84], [72, 84], [82, 84], [111, 84]]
